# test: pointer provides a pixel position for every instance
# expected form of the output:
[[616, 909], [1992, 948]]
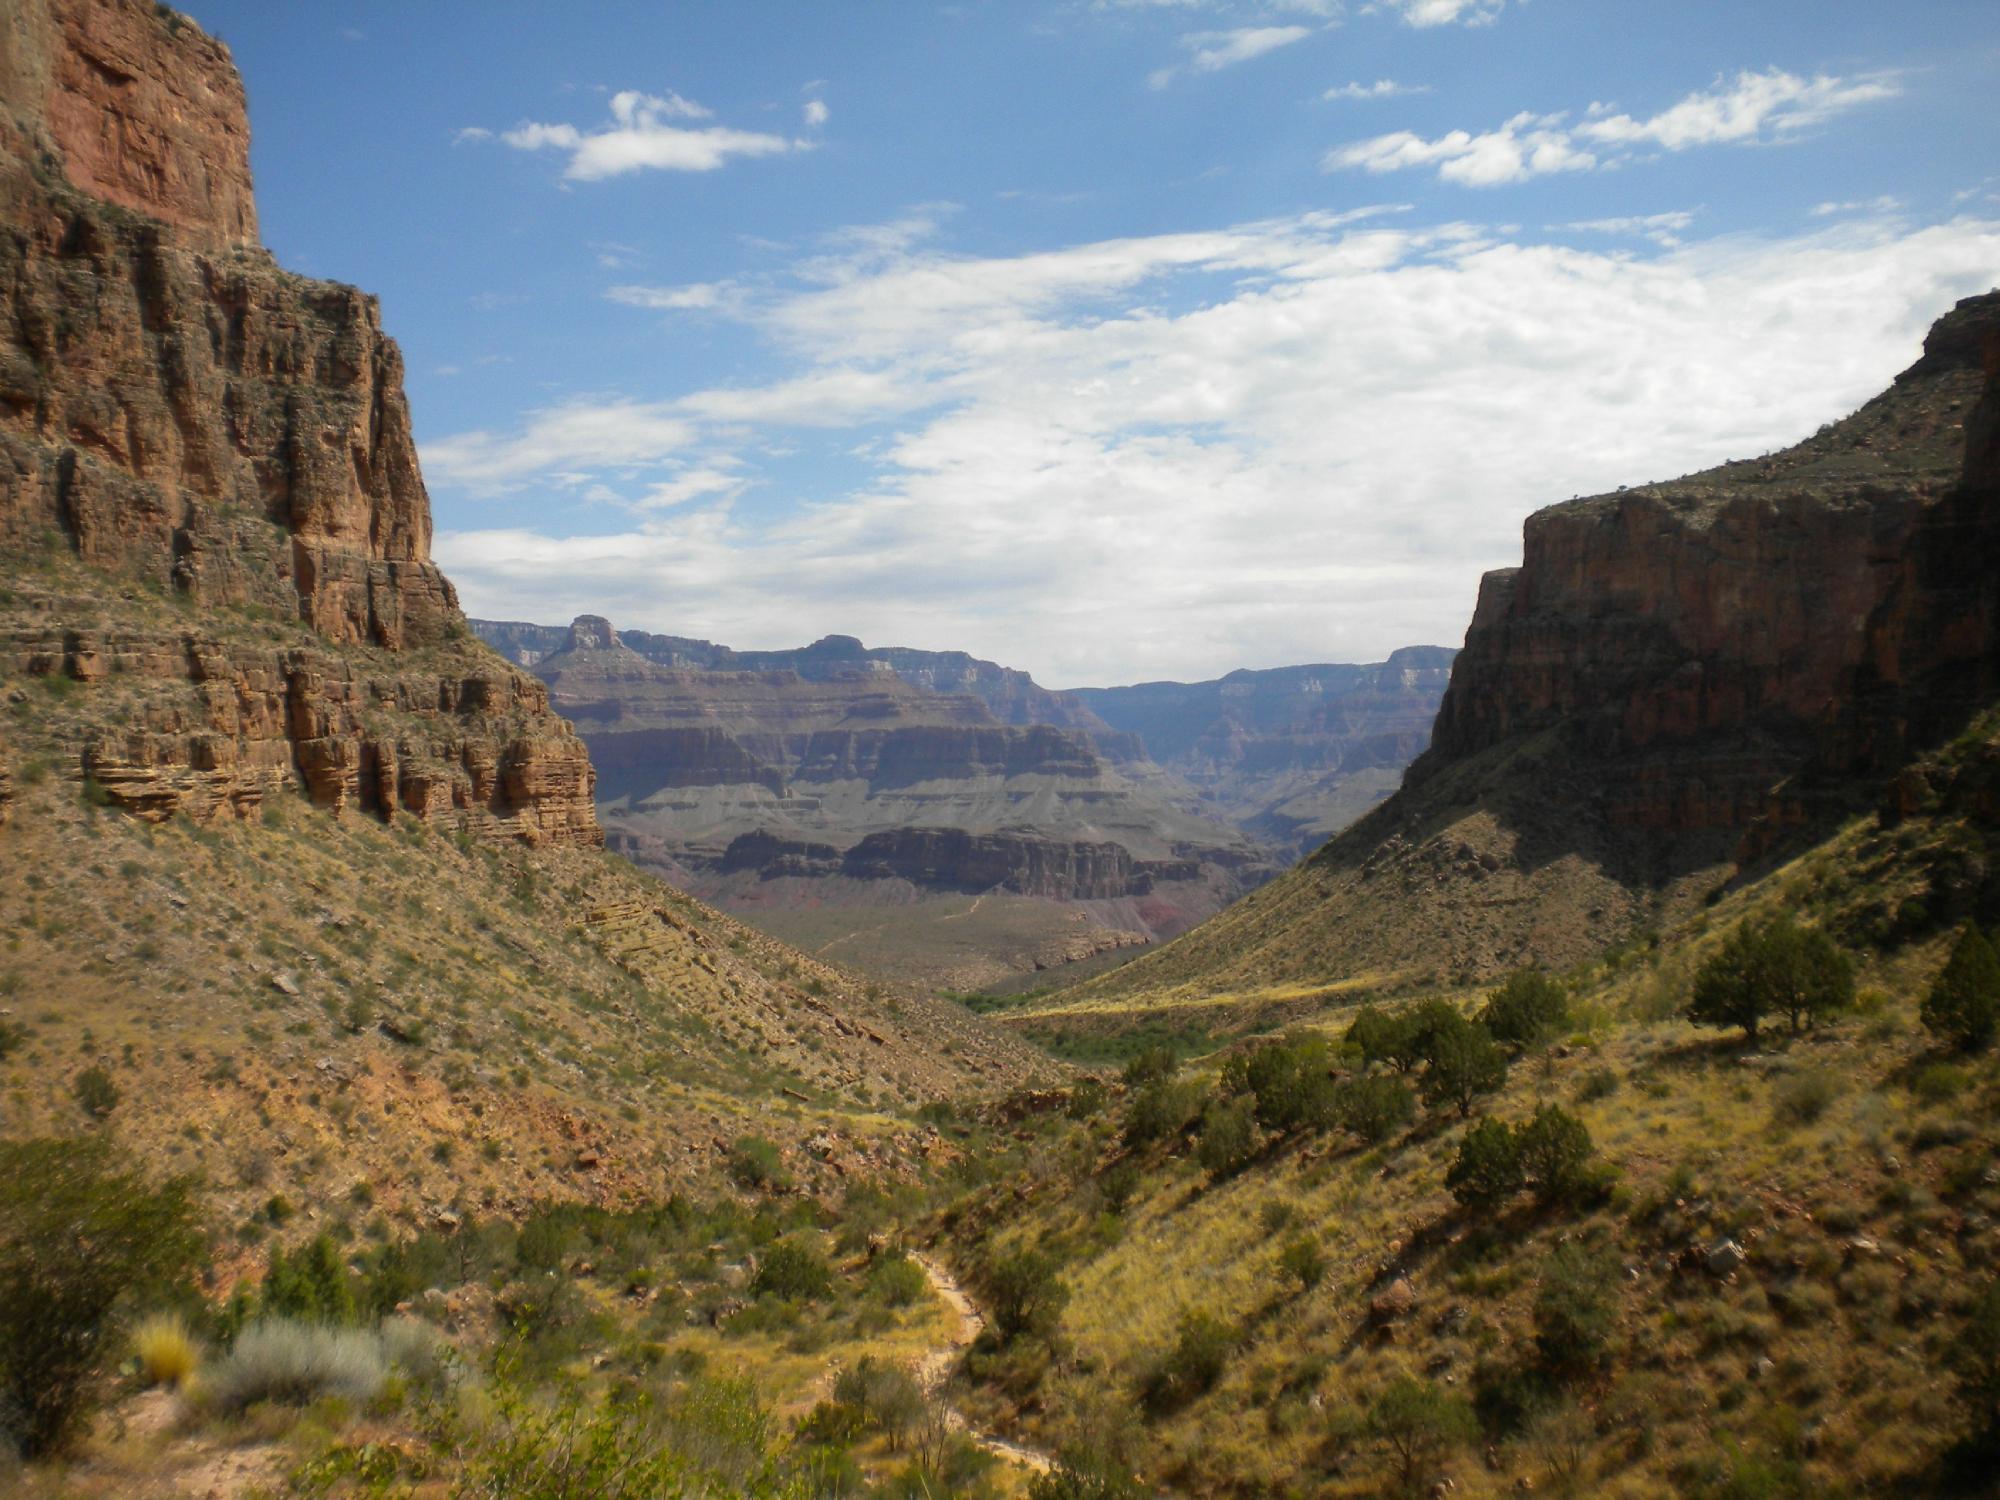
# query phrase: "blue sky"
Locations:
[[1113, 340]]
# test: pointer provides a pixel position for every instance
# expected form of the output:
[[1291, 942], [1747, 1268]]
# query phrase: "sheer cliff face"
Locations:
[[179, 414], [1740, 645]]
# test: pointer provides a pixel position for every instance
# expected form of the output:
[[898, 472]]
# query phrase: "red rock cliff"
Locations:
[[1735, 647], [181, 414]]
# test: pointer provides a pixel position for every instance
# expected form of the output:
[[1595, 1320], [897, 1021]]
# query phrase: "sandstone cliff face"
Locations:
[[1738, 646], [180, 415]]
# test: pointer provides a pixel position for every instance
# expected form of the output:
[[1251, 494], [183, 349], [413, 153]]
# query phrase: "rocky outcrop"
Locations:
[[187, 419], [953, 859], [1742, 647]]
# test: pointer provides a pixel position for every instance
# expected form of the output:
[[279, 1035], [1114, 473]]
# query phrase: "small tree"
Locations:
[[1555, 1150], [1201, 1350], [1378, 1036], [1487, 1169], [1374, 1107], [1963, 1005], [1304, 1261], [791, 1271], [1576, 1309], [1527, 1010], [1228, 1135], [82, 1236], [1027, 1294], [1161, 1110], [1974, 1359], [311, 1286], [1465, 1064], [1772, 968], [1418, 1424], [1291, 1080], [95, 1092]]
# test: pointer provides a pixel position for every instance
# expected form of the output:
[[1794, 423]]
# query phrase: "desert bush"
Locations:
[[1772, 968], [1487, 1170], [1026, 1294], [312, 1285], [1529, 1009], [1804, 1097], [886, 1397], [1303, 1261], [1190, 1369], [1161, 1110], [755, 1162], [295, 1364], [792, 1270], [1555, 1151], [1290, 1080], [1962, 1006], [82, 1233], [1463, 1063], [1575, 1309], [1083, 1473], [95, 1093], [896, 1280], [1375, 1107], [166, 1351], [1228, 1135], [1150, 1065], [1417, 1424], [1381, 1037], [1974, 1361]]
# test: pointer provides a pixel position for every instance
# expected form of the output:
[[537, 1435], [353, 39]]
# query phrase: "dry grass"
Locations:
[[166, 1351]]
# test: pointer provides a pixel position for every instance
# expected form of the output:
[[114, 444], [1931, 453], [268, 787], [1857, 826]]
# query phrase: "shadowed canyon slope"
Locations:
[[312, 870], [1680, 682]]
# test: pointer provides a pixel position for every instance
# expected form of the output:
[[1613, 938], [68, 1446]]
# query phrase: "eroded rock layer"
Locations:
[[193, 424]]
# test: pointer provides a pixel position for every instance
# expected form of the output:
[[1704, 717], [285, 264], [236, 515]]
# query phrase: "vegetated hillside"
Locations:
[[1291, 755], [847, 807], [306, 873], [1763, 1268], [1682, 682]]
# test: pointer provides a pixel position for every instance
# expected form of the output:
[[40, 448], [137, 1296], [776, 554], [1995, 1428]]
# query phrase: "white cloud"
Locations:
[[639, 138], [1526, 146], [1381, 88], [1757, 107], [816, 113], [1215, 50], [1424, 13], [1886, 204], [1291, 440], [470, 134], [1754, 107], [699, 296], [1661, 229]]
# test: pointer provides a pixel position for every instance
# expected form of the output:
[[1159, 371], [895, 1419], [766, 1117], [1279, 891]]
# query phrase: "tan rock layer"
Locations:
[[223, 727]]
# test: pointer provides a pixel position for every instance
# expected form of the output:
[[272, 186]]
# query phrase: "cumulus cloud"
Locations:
[[1381, 88], [816, 113], [1289, 440], [1212, 51], [641, 137], [1424, 13], [1754, 108], [1661, 229]]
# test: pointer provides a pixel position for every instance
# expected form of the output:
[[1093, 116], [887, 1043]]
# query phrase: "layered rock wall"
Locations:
[[1737, 647], [187, 419]]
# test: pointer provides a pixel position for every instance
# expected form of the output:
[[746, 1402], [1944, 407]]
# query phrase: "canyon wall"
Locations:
[[200, 429]]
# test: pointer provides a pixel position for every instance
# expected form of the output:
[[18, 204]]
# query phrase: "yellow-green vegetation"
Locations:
[[1638, 1257], [166, 1351]]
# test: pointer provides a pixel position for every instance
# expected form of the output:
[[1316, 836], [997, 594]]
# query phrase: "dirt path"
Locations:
[[935, 1368]]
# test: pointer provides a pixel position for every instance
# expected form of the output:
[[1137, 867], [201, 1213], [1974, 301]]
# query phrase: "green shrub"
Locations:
[[1026, 1294], [1149, 1065], [1962, 1007], [1804, 1097], [886, 1397], [1576, 1309], [793, 1271], [310, 1286], [1528, 1010], [1084, 1473], [1487, 1170], [1418, 1424], [1228, 1135], [1974, 1361], [1190, 1369], [755, 1162], [1555, 1149], [1375, 1107], [896, 1280], [82, 1235], [1291, 1081], [296, 1364], [1772, 968], [1303, 1261], [95, 1092], [1161, 1110], [1463, 1063], [1381, 1037]]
